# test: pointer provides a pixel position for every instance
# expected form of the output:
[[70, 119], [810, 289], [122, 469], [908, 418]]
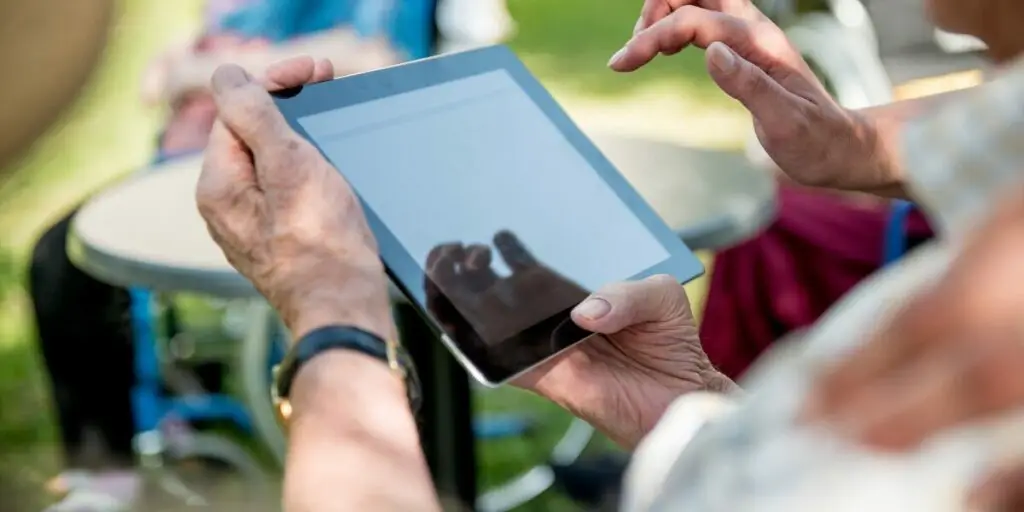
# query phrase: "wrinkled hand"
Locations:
[[284, 217], [646, 352], [806, 133], [954, 354]]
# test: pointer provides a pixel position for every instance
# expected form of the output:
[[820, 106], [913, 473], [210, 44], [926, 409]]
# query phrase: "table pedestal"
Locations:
[[446, 419]]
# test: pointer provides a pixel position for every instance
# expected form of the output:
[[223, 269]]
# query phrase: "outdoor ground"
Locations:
[[107, 134]]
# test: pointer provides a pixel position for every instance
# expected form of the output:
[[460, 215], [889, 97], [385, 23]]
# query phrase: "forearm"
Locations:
[[353, 443]]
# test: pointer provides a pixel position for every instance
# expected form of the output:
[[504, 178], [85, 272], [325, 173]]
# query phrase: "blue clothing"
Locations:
[[407, 24]]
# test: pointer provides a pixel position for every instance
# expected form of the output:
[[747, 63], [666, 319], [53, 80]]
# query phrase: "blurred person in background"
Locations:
[[820, 245], [649, 352], [82, 320]]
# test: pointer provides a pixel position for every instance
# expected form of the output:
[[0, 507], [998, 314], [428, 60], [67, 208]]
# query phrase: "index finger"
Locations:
[[227, 177], [654, 11], [687, 25], [442, 265], [512, 250], [297, 71], [246, 108]]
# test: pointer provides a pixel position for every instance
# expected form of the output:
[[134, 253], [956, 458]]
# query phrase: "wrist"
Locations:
[[866, 156], [717, 382], [323, 310], [347, 388], [878, 150], [352, 429], [356, 296]]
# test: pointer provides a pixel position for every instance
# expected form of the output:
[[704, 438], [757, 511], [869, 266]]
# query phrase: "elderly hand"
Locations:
[[285, 217], [810, 137], [954, 354], [646, 354], [287, 220]]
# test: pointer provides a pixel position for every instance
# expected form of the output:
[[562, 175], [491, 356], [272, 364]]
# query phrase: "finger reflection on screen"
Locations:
[[509, 321]]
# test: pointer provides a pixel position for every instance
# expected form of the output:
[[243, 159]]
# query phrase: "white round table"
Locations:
[[714, 199], [146, 231]]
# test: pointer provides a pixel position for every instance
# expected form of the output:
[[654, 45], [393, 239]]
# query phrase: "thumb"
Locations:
[[615, 307], [767, 100], [246, 108]]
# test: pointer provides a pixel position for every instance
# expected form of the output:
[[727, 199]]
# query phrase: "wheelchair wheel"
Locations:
[[263, 332], [535, 480], [211, 472]]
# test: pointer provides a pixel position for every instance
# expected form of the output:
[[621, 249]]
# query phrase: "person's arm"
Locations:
[[808, 134], [881, 129], [351, 428], [348, 52], [353, 444]]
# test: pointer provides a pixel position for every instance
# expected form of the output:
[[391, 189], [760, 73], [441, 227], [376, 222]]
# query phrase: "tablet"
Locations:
[[493, 212]]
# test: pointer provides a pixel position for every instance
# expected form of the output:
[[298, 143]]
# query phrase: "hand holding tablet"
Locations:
[[493, 213]]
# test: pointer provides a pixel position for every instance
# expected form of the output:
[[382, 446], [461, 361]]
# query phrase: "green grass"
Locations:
[[570, 42], [107, 134]]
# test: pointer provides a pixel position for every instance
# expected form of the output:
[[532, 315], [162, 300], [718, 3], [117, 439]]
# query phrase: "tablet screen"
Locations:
[[485, 204], [464, 160]]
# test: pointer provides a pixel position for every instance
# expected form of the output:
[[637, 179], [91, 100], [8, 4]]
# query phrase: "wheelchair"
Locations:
[[176, 459]]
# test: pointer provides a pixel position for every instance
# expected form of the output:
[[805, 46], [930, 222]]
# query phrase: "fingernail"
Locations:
[[617, 56], [722, 57], [593, 308], [229, 77]]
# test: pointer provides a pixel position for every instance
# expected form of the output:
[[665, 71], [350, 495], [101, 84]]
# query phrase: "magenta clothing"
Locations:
[[820, 246]]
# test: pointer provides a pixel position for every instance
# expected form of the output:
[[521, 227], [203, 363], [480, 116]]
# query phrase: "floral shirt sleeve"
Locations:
[[961, 159]]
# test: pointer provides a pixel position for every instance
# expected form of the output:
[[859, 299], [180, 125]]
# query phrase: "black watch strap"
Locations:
[[339, 337]]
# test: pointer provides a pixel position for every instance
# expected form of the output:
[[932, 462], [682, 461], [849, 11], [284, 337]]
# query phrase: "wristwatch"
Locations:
[[340, 337]]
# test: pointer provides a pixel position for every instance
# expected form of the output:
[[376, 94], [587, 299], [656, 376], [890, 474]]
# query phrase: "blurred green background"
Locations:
[[108, 134]]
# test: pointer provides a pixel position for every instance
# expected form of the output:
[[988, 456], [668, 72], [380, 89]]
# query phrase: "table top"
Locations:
[[713, 198], [146, 230]]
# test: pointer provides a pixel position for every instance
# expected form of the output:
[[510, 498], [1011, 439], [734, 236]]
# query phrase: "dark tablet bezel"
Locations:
[[403, 268]]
